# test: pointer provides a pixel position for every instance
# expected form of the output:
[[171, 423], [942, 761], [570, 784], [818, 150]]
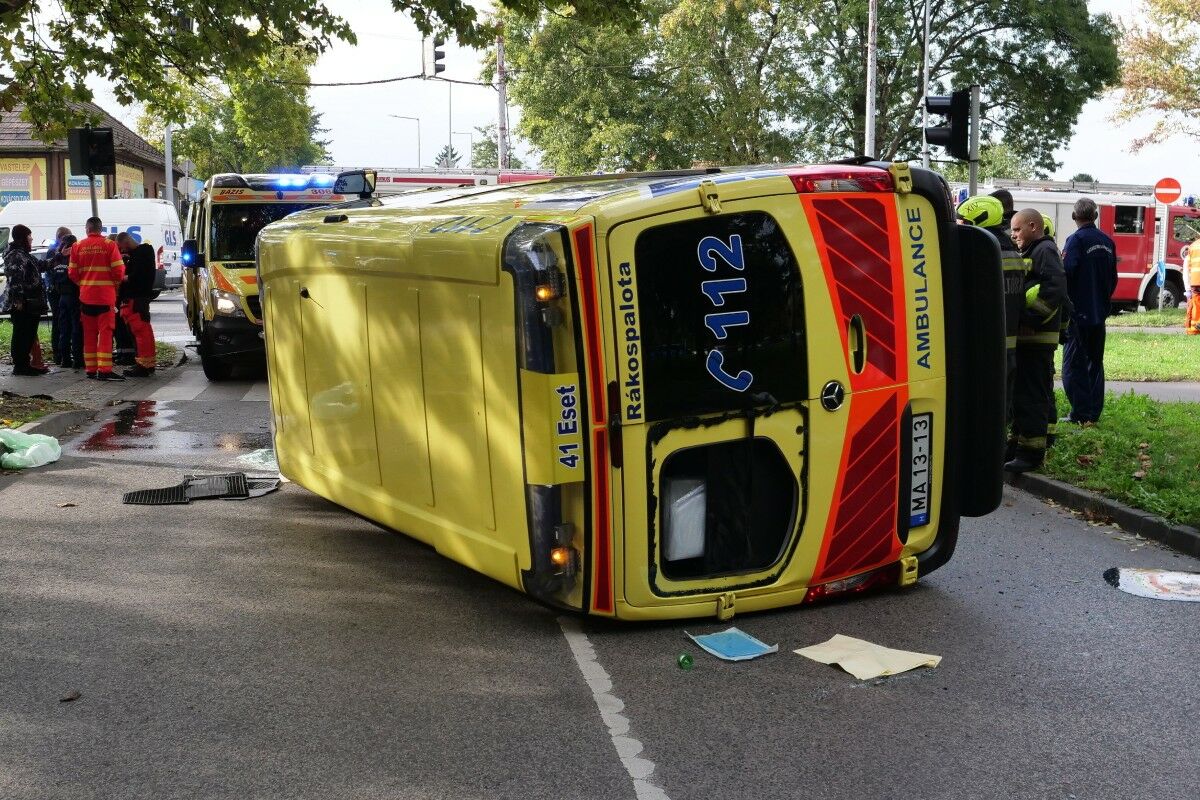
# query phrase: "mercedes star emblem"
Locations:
[[833, 394]]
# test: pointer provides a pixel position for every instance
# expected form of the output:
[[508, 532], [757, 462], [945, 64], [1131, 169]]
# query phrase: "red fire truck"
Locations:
[[1145, 232]]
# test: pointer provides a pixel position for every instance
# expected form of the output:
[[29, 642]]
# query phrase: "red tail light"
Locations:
[[855, 584], [808, 180]]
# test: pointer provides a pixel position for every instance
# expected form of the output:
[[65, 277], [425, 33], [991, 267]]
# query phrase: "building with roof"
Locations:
[[31, 169]]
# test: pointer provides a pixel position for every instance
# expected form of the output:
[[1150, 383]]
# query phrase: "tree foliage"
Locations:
[[49, 48], [998, 160], [261, 121], [485, 153], [1160, 60], [447, 158], [738, 81], [1083, 177]]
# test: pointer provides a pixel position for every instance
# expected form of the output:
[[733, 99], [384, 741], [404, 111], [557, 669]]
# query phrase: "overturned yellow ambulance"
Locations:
[[649, 396]]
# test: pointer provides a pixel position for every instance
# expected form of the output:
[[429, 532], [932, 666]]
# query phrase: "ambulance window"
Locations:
[[1129, 219], [235, 226], [721, 316], [1187, 229]]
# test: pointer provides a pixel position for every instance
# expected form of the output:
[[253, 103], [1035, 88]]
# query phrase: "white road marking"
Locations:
[[259, 391], [628, 749], [189, 384]]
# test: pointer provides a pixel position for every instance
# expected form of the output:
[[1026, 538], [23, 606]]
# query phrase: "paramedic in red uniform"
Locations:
[[135, 302], [97, 269]]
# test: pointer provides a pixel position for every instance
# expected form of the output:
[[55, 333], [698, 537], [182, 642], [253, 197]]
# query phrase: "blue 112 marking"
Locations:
[[718, 290]]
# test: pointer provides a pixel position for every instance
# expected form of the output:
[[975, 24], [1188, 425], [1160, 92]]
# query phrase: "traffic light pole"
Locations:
[[974, 162], [502, 85], [92, 189], [872, 65]]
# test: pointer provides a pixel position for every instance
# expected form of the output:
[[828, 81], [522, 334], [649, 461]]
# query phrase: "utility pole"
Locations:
[[974, 163], [872, 64], [502, 85], [170, 182], [925, 90]]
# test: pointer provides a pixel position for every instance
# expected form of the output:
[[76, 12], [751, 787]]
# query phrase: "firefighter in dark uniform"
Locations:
[[1037, 339], [1052, 410], [987, 212]]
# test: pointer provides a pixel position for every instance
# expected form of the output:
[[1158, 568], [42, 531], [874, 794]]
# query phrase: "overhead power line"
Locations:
[[384, 80]]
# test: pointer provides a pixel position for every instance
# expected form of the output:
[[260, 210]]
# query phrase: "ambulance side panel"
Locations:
[[410, 383]]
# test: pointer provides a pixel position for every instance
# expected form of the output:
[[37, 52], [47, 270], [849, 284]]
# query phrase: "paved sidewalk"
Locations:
[[73, 386], [1142, 329], [1166, 391]]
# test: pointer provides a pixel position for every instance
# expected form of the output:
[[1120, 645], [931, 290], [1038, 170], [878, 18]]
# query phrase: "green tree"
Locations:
[[737, 81], [1160, 75], [51, 47], [447, 158], [485, 153], [261, 121], [1083, 177], [997, 160]]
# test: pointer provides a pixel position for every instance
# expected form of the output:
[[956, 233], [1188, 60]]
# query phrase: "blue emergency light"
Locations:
[[322, 180]]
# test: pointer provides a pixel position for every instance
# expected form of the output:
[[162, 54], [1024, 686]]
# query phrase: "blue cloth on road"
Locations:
[[733, 645]]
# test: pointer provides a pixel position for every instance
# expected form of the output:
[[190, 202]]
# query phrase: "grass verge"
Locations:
[[1167, 318], [16, 410], [1144, 453], [165, 354], [1136, 356]]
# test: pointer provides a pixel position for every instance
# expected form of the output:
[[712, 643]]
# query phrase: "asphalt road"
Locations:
[[282, 647]]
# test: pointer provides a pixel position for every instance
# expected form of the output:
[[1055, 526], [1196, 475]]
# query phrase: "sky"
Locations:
[[364, 132]]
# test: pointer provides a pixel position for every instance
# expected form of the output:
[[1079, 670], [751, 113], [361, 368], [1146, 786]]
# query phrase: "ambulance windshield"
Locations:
[[721, 311], [235, 226]]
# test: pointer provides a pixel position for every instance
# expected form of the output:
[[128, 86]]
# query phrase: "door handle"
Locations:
[[856, 334]]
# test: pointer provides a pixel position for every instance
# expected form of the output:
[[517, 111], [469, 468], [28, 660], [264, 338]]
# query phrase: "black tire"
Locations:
[[216, 369], [1173, 295]]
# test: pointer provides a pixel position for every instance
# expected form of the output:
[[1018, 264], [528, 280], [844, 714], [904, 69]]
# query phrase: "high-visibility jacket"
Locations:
[[1014, 284], [1045, 295], [97, 269], [1193, 264]]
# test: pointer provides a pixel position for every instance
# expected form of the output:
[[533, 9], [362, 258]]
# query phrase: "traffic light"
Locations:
[[91, 151], [433, 57], [956, 135]]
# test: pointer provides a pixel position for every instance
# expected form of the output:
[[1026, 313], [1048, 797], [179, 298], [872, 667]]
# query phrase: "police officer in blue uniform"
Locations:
[[1090, 262]]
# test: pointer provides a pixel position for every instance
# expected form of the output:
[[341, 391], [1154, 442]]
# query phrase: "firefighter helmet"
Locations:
[[1048, 225], [982, 210]]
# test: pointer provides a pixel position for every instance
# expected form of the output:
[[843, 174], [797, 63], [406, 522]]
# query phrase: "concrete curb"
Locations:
[[1183, 538], [61, 422]]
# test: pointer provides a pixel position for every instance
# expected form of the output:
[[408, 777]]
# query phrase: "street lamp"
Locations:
[[418, 121], [471, 134]]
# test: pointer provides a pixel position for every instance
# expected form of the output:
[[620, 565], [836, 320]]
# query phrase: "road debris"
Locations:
[[70, 697], [865, 660], [27, 450], [733, 645], [1155, 584], [226, 486]]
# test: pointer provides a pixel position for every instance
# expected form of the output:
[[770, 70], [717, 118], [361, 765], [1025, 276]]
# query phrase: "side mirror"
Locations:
[[359, 181], [189, 255]]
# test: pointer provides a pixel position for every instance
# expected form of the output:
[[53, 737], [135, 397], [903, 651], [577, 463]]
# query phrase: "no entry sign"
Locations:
[[1167, 191]]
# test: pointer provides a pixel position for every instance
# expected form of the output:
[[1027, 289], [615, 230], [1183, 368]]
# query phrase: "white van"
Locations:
[[152, 221]]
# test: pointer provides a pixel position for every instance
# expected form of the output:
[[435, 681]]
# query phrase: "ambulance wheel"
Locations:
[[216, 369]]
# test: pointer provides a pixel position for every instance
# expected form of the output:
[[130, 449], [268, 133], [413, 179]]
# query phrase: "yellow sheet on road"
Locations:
[[865, 660]]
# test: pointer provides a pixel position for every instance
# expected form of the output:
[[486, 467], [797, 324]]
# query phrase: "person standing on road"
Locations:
[[70, 329], [1037, 339], [135, 303], [24, 299], [1090, 262], [1006, 201], [985, 211], [96, 267], [1192, 267], [52, 292]]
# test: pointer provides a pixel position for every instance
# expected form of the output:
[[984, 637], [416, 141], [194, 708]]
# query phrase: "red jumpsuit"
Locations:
[[97, 268]]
